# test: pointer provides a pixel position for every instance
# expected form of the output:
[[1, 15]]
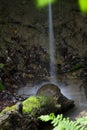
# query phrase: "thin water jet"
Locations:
[[51, 45]]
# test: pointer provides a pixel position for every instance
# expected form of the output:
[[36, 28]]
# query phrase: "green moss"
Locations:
[[83, 5], [30, 104], [33, 104], [8, 109]]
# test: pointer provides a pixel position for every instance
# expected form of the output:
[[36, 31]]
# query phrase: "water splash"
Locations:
[[51, 45]]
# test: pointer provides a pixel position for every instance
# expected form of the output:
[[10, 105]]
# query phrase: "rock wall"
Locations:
[[22, 23]]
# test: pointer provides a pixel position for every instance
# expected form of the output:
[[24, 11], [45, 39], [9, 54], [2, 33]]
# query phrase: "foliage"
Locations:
[[82, 4], [46, 118], [1, 86], [42, 3], [77, 66], [61, 123]]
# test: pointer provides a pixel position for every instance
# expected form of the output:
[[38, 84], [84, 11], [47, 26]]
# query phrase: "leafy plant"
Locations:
[[82, 4], [77, 66], [61, 123], [1, 86], [42, 3]]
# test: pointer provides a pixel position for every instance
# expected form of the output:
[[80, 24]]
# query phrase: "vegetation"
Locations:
[[61, 123], [41, 3], [82, 4], [30, 104], [77, 66], [1, 86], [34, 104]]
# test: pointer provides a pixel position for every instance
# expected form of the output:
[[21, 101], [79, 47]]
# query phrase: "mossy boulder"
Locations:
[[33, 105], [36, 105], [27, 111]]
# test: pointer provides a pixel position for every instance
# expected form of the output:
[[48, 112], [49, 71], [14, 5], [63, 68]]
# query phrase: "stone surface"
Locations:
[[52, 90]]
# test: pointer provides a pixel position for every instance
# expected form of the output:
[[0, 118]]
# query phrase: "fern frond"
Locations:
[[82, 120], [61, 123], [46, 118]]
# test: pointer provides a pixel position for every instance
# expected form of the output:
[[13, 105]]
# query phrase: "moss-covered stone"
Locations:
[[34, 104], [24, 115], [8, 109]]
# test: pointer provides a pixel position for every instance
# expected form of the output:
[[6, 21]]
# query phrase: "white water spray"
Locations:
[[51, 45]]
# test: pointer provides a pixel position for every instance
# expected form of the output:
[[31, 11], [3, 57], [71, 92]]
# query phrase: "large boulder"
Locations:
[[52, 90]]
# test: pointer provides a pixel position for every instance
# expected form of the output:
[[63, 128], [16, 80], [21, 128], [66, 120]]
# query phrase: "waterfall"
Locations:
[[51, 44]]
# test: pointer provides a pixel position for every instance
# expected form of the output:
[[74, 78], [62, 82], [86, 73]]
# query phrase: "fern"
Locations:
[[46, 118], [61, 123]]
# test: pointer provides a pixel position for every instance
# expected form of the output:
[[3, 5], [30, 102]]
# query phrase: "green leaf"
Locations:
[[61, 123], [83, 5], [42, 3], [82, 120], [45, 118]]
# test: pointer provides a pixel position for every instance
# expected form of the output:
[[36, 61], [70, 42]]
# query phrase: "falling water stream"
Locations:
[[51, 44], [32, 90]]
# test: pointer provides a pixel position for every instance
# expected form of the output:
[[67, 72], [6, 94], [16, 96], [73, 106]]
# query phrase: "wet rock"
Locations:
[[50, 90], [54, 91]]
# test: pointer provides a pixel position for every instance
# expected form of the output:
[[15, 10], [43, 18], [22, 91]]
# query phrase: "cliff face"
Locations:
[[22, 23]]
